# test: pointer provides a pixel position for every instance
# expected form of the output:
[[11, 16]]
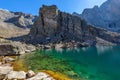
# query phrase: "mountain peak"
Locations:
[[106, 16]]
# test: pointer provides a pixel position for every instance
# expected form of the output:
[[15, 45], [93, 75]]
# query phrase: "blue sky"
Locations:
[[32, 6]]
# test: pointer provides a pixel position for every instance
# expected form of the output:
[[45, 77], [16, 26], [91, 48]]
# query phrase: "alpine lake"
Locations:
[[88, 63]]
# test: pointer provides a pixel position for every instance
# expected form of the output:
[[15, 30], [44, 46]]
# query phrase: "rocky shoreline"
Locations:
[[13, 48], [7, 72]]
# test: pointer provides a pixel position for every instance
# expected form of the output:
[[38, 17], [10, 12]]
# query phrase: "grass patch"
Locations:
[[19, 65]]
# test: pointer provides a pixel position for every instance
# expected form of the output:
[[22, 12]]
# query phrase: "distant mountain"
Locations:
[[13, 24], [19, 19], [106, 16]]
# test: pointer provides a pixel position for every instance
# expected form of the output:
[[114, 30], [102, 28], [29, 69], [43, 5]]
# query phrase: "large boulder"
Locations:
[[7, 49], [15, 48], [16, 75], [7, 59], [30, 73], [5, 70], [41, 76]]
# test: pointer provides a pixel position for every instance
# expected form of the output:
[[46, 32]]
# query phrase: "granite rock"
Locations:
[[53, 26]]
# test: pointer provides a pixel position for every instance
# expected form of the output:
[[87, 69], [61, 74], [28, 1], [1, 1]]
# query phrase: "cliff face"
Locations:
[[106, 16], [54, 26]]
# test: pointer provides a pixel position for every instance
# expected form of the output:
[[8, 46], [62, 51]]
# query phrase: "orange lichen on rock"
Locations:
[[57, 75]]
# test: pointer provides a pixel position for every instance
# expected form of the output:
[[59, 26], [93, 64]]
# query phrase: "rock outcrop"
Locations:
[[10, 48], [54, 26], [5, 70], [106, 16], [16, 75]]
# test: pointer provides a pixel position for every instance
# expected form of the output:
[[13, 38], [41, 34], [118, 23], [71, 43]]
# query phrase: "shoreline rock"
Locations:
[[12, 48], [7, 73]]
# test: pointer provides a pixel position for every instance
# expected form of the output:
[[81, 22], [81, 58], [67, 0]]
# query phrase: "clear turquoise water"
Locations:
[[92, 63]]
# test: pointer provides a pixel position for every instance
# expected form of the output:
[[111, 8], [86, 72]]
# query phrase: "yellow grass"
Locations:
[[19, 66]]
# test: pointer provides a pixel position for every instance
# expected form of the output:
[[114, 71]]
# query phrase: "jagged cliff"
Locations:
[[54, 26], [106, 16]]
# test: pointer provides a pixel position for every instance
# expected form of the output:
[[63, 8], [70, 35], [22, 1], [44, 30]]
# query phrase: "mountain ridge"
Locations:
[[54, 26], [106, 16], [17, 22], [19, 19]]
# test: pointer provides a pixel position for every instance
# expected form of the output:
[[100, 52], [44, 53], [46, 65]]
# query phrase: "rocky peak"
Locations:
[[51, 10], [54, 26], [47, 21], [106, 16]]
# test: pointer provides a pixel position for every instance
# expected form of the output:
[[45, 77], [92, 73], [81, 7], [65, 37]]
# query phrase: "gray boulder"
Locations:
[[5, 70], [41, 76], [15, 48], [16, 75], [30, 73]]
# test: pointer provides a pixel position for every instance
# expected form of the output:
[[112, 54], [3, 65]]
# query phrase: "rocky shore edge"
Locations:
[[7, 72]]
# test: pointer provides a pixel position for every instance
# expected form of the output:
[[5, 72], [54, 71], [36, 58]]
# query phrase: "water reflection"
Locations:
[[103, 49]]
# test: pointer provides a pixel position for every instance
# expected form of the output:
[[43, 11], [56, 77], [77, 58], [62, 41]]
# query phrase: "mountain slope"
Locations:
[[8, 30], [13, 24], [17, 18], [106, 16]]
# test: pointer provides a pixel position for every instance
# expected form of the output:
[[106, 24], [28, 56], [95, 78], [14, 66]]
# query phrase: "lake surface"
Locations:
[[92, 63]]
